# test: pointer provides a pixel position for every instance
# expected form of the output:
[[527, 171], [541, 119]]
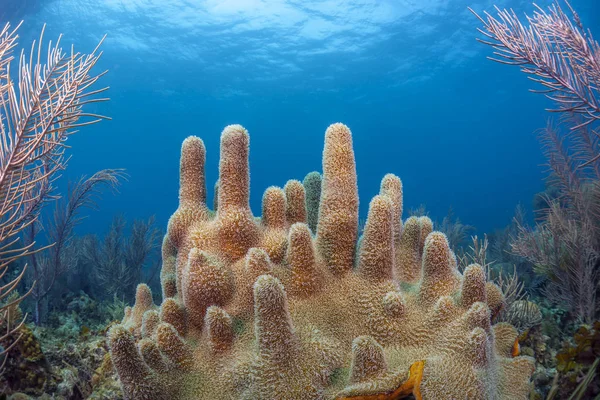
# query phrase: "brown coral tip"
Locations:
[[150, 322], [127, 314], [426, 228], [237, 232], [274, 330], [274, 239], [257, 262], [219, 328], [495, 299], [368, 360], [273, 208], [274, 242], [473, 285], [143, 303], [393, 304], [506, 340], [301, 259], [173, 347], [234, 175], [137, 380], [444, 310], [173, 312], [295, 202], [168, 283], [477, 347], [439, 276], [391, 186], [205, 282], [337, 229], [168, 272], [152, 356], [411, 386], [478, 315], [408, 256], [169, 252], [376, 256], [192, 185]]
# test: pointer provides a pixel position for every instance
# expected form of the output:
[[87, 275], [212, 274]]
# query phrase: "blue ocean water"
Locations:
[[407, 76]]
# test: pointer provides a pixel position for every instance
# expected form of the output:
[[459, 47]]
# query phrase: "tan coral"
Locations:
[[376, 255], [274, 208], [173, 347], [260, 308], [426, 228], [408, 253], [150, 322], [143, 302], [305, 278], [337, 229], [274, 239], [152, 355], [236, 230], [256, 263], [219, 328], [275, 334], [173, 312], [205, 282], [295, 202], [439, 278], [168, 272], [368, 360], [137, 380], [495, 298], [192, 190], [391, 186], [473, 285], [393, 304]]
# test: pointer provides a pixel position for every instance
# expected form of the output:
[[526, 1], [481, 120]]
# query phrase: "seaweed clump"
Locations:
[[26, 368], [577, 360]]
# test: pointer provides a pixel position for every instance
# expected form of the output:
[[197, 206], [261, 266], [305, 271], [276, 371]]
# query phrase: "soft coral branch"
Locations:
[[38, 112], [555, 51]]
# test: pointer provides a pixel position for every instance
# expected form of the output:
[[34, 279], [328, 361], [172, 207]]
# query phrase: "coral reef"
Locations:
[[68, 358], [575, 359], [26, 367], [262, 309]]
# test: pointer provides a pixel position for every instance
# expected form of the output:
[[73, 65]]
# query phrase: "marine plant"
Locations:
[[561, 55], [456, 232], [38, 112], [556, 52], [260, 308], [577, 363], [117, 261], [49, 264]]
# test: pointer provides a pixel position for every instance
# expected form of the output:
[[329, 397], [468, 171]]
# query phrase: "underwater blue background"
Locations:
[[407, 76]]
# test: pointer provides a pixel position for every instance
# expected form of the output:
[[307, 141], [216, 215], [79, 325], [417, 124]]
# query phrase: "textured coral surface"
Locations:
[[294, 305]]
